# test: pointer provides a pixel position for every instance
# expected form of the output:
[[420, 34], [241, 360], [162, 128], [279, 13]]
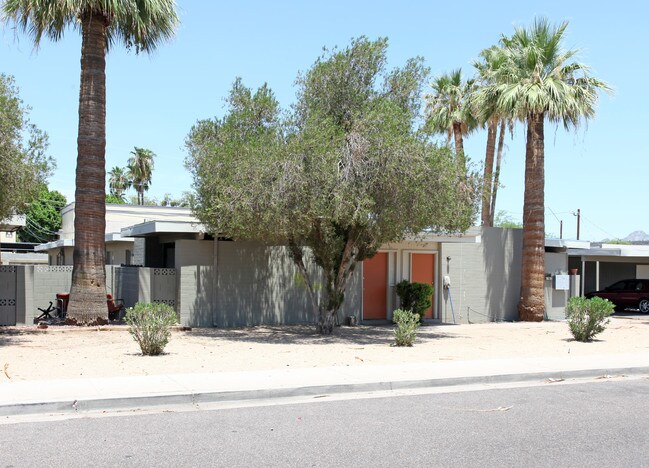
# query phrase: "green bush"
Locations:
[[588, 317], [405, 328], [149, 325], [417, 297]]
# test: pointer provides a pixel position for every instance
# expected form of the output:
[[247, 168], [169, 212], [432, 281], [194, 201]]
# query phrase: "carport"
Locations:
[[602, 265]]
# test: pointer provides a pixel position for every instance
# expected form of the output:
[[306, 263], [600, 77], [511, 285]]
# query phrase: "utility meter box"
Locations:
[[562, 282]]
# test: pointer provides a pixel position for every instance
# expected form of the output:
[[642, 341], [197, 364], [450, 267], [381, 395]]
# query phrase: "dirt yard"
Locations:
[[67, 352]]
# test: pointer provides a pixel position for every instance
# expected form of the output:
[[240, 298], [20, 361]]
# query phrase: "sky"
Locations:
[[153, 100]]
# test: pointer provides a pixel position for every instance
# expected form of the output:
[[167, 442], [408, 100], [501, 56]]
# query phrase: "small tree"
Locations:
[[24, 165], [43, 217], [345, 173], [416, 297], [114, 199]]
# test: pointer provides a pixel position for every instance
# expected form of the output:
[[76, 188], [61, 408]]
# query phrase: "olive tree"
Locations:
[[24, 165], [345, 171]]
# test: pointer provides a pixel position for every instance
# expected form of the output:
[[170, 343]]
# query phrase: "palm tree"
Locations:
[[541, 81], [488, 69], [140, 167], [118, 181], [447, 108], [141, 24]]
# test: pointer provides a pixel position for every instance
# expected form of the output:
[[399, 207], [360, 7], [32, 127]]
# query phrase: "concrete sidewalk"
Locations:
[[69, 396]]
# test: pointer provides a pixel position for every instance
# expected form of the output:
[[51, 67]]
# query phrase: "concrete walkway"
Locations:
[[69, 396]]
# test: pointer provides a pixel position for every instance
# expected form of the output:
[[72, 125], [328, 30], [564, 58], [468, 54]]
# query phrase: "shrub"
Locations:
[[416, 297], [406, 325], [149, 325], [588, 317]]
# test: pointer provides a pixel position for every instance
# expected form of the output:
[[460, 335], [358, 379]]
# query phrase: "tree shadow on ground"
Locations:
[[13, 336], [305, 334]]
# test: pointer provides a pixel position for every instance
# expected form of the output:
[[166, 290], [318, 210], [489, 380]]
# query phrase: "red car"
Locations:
[[626, 294]]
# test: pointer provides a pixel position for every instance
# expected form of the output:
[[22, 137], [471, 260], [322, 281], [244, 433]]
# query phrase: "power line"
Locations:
[[35, 236], [605, 232], [39, 228], [554, 214]]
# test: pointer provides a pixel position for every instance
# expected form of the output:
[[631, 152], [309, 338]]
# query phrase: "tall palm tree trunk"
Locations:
[[88, 291], [496, 177], [492, 127], [459, 144], [531, 307]]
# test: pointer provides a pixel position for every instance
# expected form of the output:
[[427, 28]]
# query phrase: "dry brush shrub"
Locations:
[[149, 324]]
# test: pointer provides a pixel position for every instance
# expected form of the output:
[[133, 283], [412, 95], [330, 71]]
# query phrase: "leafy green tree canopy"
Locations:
[[345, 172], [43, 217], [24, 164], [115, 199]]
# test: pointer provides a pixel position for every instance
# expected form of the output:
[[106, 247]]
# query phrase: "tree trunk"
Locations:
[[492, 127], [496, 177], [326, 321], [531, 307], [459, 143], [88, 291]]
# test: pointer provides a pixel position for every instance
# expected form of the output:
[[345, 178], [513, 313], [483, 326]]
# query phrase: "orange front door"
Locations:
[[375, 287], [423, 271]]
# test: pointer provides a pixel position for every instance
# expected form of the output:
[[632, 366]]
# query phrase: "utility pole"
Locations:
[[578, 215], [561, 229]]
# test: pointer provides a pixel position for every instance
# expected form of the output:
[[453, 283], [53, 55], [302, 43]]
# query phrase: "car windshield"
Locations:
[[619, 286]]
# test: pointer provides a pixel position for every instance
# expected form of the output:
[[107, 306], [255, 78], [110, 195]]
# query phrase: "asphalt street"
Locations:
[[601, 423]]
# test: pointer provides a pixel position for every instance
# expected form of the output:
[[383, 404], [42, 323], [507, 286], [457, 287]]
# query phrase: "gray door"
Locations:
[[7, 295]]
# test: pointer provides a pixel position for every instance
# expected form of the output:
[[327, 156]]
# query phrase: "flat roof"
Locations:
[[567, 243], [13, 224], [151, 228], [626, 251], [59, 243]]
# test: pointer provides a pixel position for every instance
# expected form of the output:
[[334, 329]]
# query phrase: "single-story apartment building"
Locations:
[[475, 275], [213, 281], [120, 250]]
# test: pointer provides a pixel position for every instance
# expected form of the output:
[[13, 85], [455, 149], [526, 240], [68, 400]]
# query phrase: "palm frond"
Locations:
[[141, 24]]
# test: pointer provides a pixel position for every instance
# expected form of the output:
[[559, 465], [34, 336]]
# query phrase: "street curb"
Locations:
[[197, 398]]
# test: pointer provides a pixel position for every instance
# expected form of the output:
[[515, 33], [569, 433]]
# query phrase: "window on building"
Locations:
[[128, 257]]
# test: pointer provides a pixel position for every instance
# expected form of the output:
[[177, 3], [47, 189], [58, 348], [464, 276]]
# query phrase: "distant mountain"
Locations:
[[637, 236]]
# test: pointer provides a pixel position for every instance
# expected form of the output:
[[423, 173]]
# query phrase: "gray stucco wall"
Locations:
[[126, 284], [259, 284], [196, 296], [194, 252], [36, 286], [485, 277], [253, 284], [139, 247]]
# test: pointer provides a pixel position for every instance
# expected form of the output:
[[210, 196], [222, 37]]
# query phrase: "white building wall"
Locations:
[[118, 255], [121, 216]]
